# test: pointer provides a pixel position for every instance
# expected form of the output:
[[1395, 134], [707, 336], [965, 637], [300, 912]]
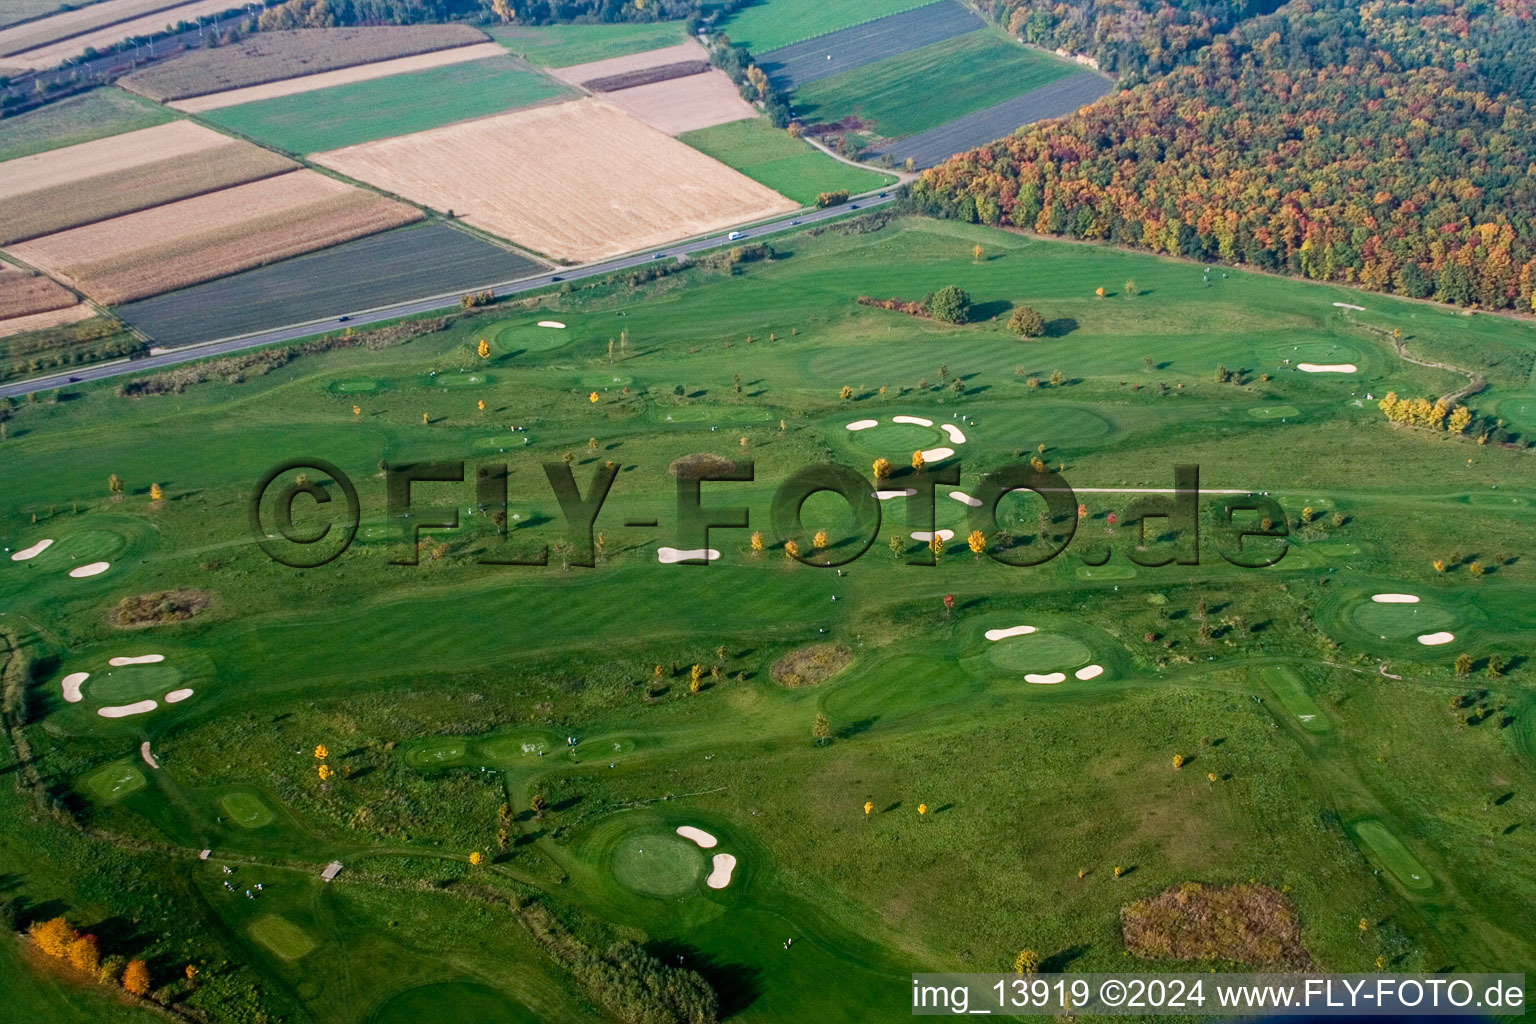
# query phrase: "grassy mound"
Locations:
[[811, 665], [1249, 924]]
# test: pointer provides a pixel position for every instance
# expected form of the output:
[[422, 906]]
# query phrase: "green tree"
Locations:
[[950, 305], [1026, 322], [821, 730]]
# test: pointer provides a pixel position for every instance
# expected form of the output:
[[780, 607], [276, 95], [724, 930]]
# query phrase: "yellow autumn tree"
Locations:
[[1099, 291], [476, 858], [791, 549], [695, 674], [936, 545], [53, 936], [483, 349], [976, 254], [869, 807], [155, 492], [977, 542], [480, 405], [882, 468], [845, 393], [1178, 760], [922, 809], [84, 954], [757, 541], [136, 977], [1461, 418], [325, 773], [321, 753], [1027, 962], [1439, 565], [592, 398], [357, 410], [917, 460], [819, 541]]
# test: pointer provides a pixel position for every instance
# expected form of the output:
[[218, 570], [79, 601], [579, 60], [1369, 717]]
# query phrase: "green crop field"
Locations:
[[912, 92], [558, 46], [788, 166], [501, 756], [769, 24], [76, 119], [345, 115]]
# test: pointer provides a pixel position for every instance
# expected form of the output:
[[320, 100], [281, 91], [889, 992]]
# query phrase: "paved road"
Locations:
[[224, 346]]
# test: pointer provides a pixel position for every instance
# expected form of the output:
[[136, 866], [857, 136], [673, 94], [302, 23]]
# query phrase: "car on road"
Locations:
[[853, 206], [658, 255], [74, 380], [343, 319], [734, 235]]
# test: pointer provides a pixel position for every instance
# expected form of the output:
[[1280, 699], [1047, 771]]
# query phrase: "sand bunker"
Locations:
[[720, 877], [1347, 305], [71, 685], [667, 556], [1395, 599], [149, 758], [905, 492], [552, 323], [918, 420], [1327, 367], [966, 499], [123, 711], [31, 552], [143, 659], [1089, 672], [1049, 679], [954, 432], [1004, 634], [177, 696], [925, 536], [94, 569], [698, 835], [1436, 639], [863, 424], [937, 454]]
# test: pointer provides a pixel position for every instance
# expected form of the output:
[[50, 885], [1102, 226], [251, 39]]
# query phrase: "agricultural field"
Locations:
[[846, 49], [208, 236], [842, 773], [771, 24], [559, 46], [573, 181], [789, 166], [75, 119], [685, 104], [275, 56], [73, 336], [78, 20], [23, 293], [364, 111], [65, 188], [99, 35], [26, 10], [607, 67]]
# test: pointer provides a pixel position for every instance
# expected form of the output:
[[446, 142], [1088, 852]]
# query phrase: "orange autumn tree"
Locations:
[[136, 977], [53, 936]]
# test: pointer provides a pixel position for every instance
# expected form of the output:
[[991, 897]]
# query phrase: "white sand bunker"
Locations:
[[1004, 634], [143, 659], [1048, 679], [177, 696], [1348, 305], [937, 454], [904, 492], [925, 536], [1395, 599], [71, 686], [149, 758], [668, 556], [916, 420], [1436, 639], [954, 432], [863, 424], [124, 710], [1327, 367], [556, 324], [720, 877], [1089, 672], [965, 499], [94, 569], [698, 835], [33, 551]]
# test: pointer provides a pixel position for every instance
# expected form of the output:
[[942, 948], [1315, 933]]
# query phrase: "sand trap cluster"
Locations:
[[1395, 599], [93, 569], [124, 710], [1327, 367], [71, 686], [33, 551], [1003, 634], [1436, 639], [143, 659], [669, 556], [698, 835], [720, 876]]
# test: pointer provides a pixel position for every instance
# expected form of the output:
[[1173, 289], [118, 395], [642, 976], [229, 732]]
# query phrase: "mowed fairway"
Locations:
[[76, 119], [770, 24], [788, 166], [347, 115], [558, 46], [915, 91], [65, 188], [577, 181], [209, 236]]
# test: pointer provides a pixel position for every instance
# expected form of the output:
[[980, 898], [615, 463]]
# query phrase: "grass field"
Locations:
[[76, 119], [558, 46], [788, 166], [924, 88], [449, 693], [346, 115], [770, 24]]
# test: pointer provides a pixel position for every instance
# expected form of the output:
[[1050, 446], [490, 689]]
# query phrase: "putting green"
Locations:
[[356, 386], [1394, 856], [130, 683], [453, 379], [439, 750], [246, 809], [114, 781], [895, 441], [1039, 652], [655, 863], [1108, 571], [1275, 412], [1292, 693], [528, 336], [454, 1000], [281, 936], [518, 746], [1400, 621]]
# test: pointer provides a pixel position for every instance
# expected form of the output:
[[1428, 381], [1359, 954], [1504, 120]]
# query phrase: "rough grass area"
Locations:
[[700, 466], [76, 119], [809, 666], [1246, 924], [770, 24], [157, 609]]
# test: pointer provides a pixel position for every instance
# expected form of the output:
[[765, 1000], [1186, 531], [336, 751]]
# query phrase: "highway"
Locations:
[[427, 304]]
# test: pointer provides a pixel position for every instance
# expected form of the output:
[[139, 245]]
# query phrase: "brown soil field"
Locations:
[[68, 23], [52, 318], [684, 104], [23, 293], [274, 56], [645, 76], [578, 181], [50, 54], [65, 188], [343, 76], [575, 74], [210, 236]]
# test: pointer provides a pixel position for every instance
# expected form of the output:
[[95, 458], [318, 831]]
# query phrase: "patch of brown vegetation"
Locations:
[[1249, 924], [916, 309], [23, 293], [645, 76], [159, 608], [700, 466], [809, 666]]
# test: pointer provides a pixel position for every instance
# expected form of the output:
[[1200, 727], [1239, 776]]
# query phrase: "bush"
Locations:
[[950, 305], [1026, 322], [827, 199]]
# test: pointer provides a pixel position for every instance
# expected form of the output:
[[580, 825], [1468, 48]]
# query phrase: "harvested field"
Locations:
[[209, 236], [66, 24], [580, 180], [560, 46], [23, 293], [42, 321], [50, 54], [16, 11], [274, 56], [343, 76], [685, 104], [858, 45], [412, 263], [1054, 100], [576, 74], [645, 76], [77, 185], [76, 119]]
